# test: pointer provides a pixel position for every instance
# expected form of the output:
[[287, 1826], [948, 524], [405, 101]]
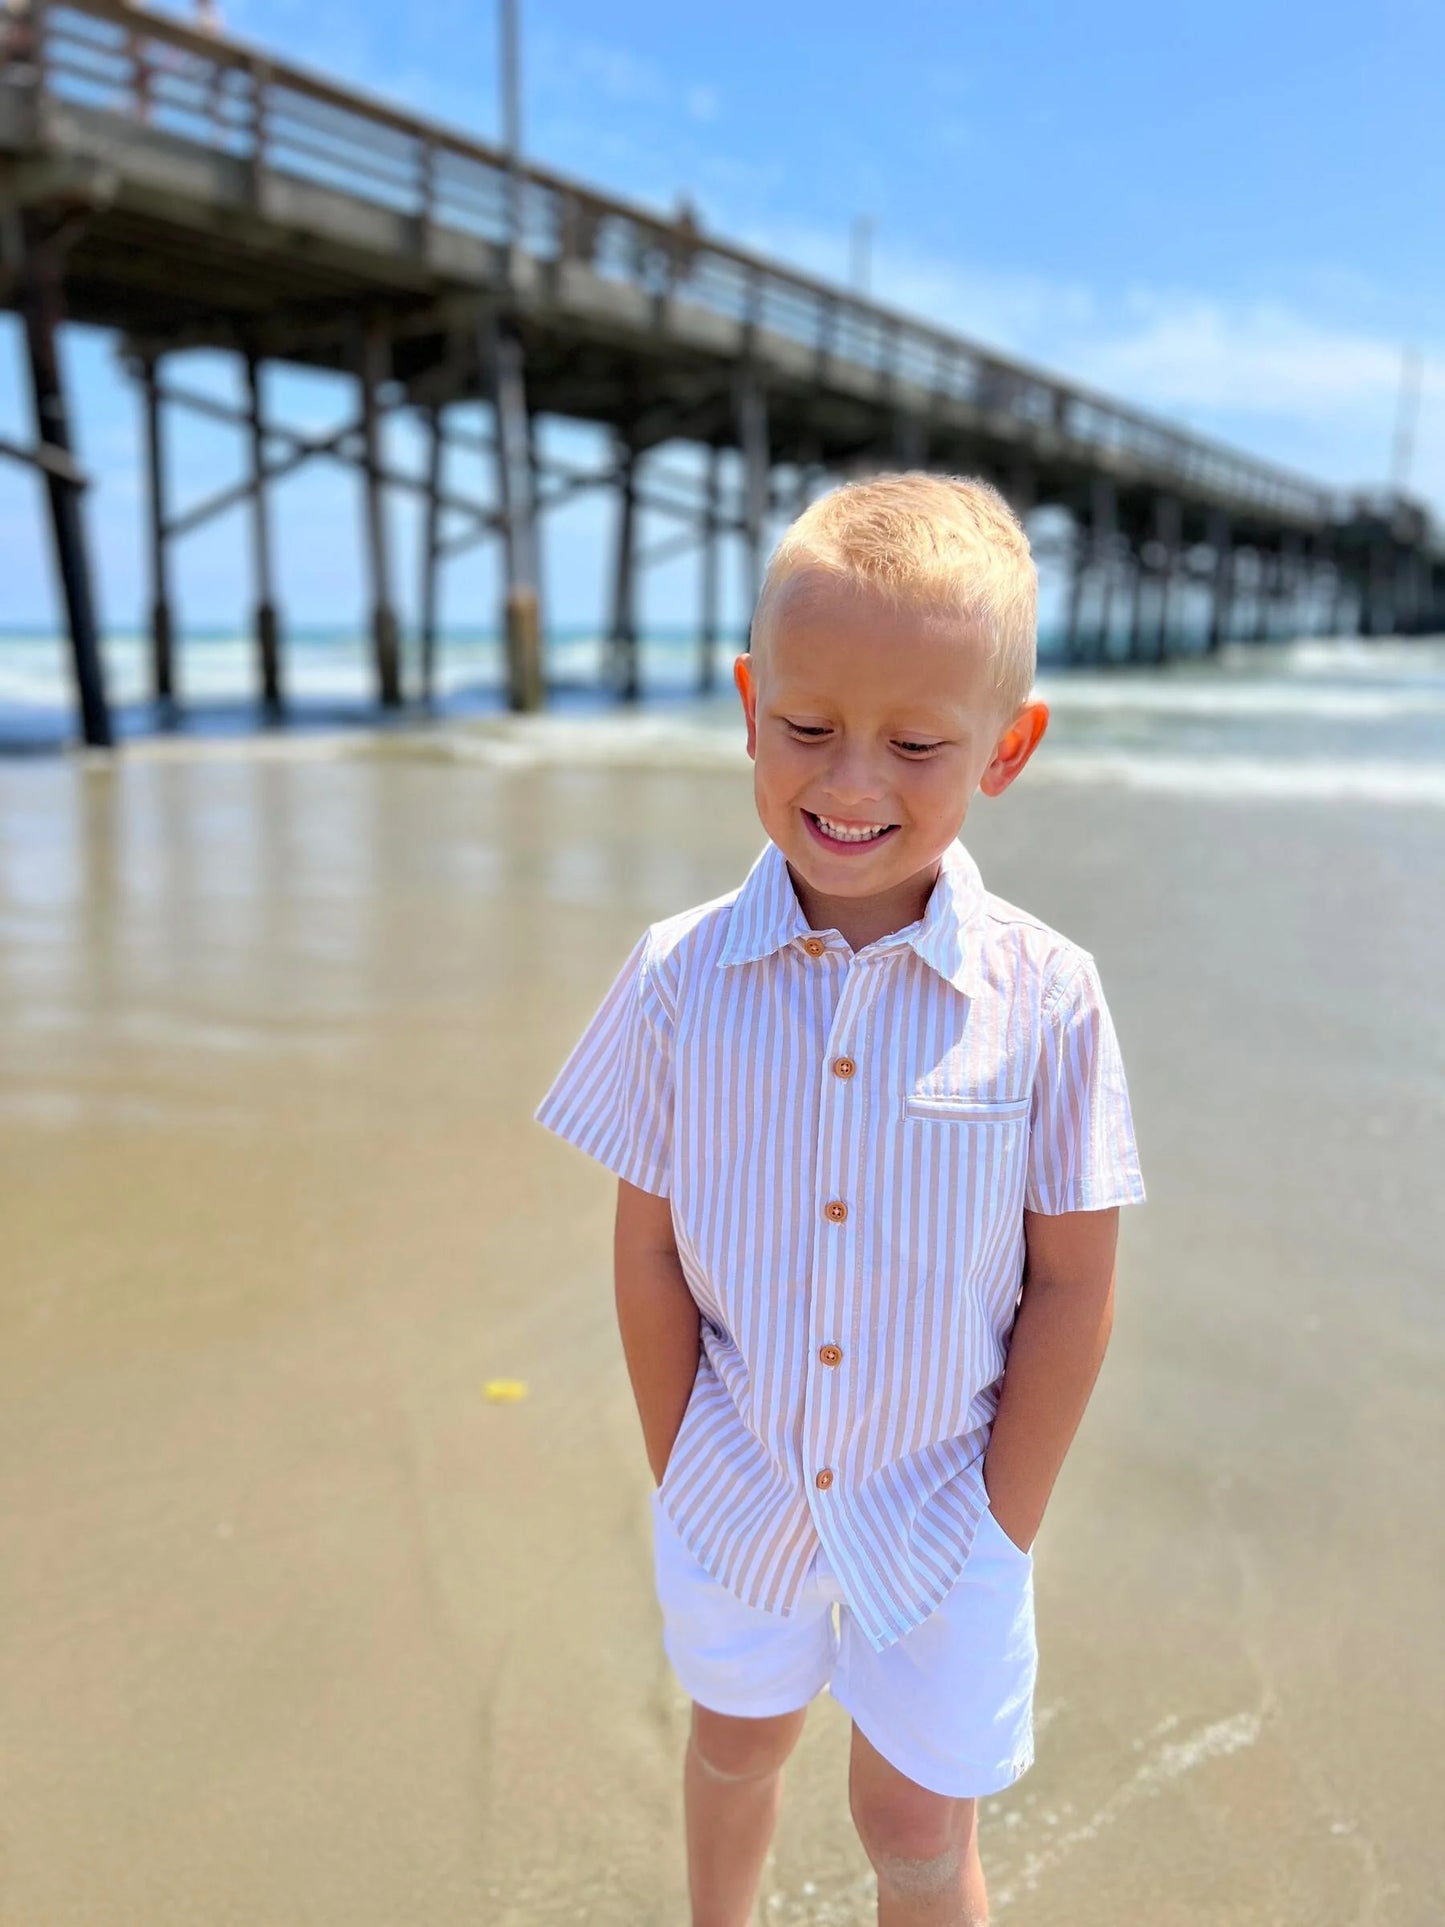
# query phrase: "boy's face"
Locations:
[[873, 720]]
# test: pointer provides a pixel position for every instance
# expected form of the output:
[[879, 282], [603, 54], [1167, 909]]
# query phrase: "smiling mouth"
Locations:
[[843, 836]]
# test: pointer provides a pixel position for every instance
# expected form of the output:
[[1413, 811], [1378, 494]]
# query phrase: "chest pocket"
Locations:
[[971, 1152], [940, 1107]]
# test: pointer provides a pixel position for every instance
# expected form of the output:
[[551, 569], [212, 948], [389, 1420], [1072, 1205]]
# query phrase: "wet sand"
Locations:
[[296, 1628]]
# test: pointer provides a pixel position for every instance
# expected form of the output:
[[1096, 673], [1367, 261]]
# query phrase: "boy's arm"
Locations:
[[1058, 1343], [657, 1316]]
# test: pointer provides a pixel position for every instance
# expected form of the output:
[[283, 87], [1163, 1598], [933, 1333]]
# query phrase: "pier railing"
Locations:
[[277, 119]]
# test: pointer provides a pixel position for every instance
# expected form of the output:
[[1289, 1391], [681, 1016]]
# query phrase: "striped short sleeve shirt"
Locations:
[[849, 1142]]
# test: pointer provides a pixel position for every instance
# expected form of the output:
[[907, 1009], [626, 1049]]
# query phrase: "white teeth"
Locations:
[[841, 835]]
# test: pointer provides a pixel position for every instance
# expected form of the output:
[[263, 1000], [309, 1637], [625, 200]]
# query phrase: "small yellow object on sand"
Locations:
[[504, 1391]]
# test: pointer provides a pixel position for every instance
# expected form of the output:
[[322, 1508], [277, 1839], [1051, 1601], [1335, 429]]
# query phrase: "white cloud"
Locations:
[[622, 77], [1298, 389], [1186, 351], [597, 69], [953, 134], [1017, 313]]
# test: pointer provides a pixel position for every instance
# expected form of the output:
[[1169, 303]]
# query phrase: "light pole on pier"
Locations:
[[511, 121]]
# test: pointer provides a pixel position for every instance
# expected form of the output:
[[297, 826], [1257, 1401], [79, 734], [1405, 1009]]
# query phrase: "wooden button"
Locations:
[[814, 946], [823, 1480], [843, 1067], [830, 1354], [836, 1210]]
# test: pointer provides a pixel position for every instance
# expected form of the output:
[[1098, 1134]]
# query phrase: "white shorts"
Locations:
[[950, 1704]]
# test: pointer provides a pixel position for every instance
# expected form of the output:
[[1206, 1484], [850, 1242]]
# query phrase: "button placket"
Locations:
[[840, 1167]]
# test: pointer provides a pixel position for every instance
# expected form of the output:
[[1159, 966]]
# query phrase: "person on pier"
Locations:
[[17, 42]]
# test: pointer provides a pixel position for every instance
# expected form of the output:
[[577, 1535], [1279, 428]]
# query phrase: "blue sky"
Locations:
[[1230, 214]]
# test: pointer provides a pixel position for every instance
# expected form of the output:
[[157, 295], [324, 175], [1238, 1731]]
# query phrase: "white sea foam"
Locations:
[[1164, 1765], [643, 741], [35, 670], [663, 742], [314, 746], [638, 741], [1244, 778], [1378, 656], [1262, 724], [1198, 697], [1348, 680]]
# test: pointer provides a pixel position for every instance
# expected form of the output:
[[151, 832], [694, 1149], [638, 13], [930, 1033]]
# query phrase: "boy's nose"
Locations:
[[853, 780]]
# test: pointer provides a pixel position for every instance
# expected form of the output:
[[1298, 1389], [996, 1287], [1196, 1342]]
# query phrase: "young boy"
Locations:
[[856, 1107]]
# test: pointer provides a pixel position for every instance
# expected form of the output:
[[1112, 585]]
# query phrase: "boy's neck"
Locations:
[[863, 920]]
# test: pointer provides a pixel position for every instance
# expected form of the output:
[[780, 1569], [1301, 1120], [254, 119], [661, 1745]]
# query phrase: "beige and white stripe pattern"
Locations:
[[849, 1143]]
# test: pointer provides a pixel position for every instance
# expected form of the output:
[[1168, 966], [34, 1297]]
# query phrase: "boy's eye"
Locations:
[[811, 731]]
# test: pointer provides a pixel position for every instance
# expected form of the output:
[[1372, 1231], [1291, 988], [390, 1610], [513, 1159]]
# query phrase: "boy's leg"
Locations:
[[732, 1784], [941, 1717], [923, 1846]]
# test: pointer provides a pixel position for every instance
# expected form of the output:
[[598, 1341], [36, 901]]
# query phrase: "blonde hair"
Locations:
[[939, 541]]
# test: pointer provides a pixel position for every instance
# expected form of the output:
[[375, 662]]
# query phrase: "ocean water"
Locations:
[[1313, 718]]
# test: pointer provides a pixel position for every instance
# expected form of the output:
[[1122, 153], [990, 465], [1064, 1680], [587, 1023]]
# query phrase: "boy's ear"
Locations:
[[1015, 747], [747, 689]]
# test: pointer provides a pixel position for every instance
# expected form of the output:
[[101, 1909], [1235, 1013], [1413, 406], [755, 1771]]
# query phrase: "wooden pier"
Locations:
[[190, 192]]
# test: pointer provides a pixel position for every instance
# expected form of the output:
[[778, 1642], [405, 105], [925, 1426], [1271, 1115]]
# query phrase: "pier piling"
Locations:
[[708, 585], [1104, 535], [1136, 606], [38, 294], [1168, 526], [1080, 556], [516, 476], [1221, 588], [622, 635], [163, 682], [431, 549], [752, 433], [268, 628], [374, 360]]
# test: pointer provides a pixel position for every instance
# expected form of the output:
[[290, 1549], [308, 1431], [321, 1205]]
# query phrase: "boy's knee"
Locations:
[[922, 1878], [905, 1877], [916, 1848], [727, 1748]]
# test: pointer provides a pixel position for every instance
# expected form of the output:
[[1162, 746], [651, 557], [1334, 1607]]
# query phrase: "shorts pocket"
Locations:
[[988, 1522]]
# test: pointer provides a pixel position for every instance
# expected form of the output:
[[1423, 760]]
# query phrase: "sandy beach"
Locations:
[[297, 1627]]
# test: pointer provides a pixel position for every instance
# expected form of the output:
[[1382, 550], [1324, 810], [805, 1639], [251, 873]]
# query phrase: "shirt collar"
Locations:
[[766, 916]]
